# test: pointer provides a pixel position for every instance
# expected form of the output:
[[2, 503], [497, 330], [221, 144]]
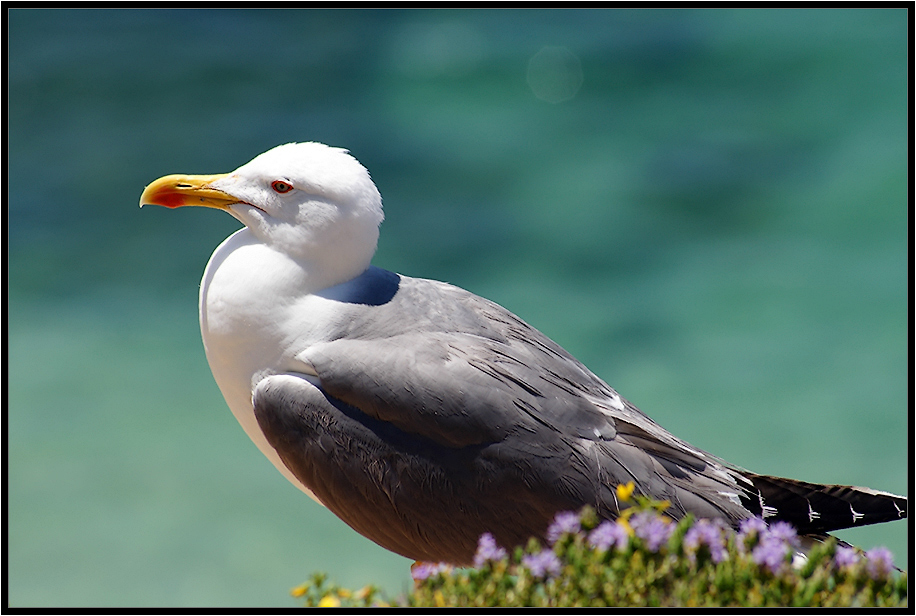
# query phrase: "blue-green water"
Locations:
[[712, 215]]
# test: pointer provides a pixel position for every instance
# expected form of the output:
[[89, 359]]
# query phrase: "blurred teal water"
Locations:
[[714, 219]]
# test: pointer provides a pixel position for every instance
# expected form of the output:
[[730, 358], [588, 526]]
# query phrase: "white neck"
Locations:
[[251, 296]]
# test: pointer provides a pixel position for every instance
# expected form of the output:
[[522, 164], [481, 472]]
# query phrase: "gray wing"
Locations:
[[460, 401], [456, 389]]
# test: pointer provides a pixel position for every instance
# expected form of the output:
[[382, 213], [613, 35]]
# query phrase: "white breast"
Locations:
[[256, 315]]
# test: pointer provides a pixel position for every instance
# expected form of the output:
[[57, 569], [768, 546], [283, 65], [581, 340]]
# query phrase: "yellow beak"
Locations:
[[181, 190]]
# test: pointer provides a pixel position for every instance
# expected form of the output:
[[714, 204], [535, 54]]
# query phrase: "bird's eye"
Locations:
[[280, 186]]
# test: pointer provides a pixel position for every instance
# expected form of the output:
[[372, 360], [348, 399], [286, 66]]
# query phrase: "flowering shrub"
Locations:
[[646, 559]]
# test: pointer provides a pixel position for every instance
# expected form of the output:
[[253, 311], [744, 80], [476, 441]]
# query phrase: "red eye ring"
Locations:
[[281, 187]]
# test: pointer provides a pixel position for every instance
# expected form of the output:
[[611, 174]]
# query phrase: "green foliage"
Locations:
[[728, 570], [316, 592]]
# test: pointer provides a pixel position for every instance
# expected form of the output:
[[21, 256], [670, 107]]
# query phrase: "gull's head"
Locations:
[[309, 201]]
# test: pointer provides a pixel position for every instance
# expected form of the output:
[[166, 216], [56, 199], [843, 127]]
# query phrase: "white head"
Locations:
[[312, 202]]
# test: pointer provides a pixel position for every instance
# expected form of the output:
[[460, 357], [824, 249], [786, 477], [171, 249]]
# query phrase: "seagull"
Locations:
[[423, 415]]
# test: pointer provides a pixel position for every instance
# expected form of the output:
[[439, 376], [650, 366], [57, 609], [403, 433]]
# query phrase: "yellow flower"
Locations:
[[625, 491], [298, 591], [439, 598], [329, 601]]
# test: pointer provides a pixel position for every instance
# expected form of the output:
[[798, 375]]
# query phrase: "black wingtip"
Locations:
[[817, 508]]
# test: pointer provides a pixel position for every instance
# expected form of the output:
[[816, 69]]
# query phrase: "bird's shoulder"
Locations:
[[394, 304]]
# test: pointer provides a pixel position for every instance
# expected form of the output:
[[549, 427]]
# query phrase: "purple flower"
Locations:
[[564, 522], [879, 563], [423, 570], [749, 526], [487, 550], [845, 557], [607, 534], [770, 553], [775, 543], [651, 528], [783, 531], [708, 533], [543, 564], [749, 532]]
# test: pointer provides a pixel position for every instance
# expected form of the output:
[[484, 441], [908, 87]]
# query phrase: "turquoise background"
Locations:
[[715, 220]]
